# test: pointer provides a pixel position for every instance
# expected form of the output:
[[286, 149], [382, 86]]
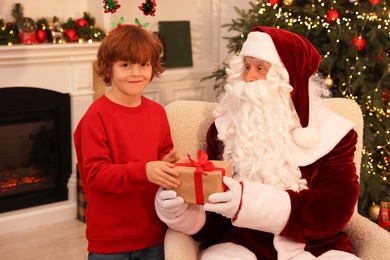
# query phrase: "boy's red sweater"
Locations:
[[113, 144]]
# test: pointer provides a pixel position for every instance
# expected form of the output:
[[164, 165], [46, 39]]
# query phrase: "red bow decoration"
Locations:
[[202, 164], [148, 8], [110, 6]]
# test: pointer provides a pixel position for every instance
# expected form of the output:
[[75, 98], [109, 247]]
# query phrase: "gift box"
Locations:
[[384, 215], [199, 179]]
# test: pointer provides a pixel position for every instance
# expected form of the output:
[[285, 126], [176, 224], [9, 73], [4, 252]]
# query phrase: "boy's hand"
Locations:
[[172, 156], [162, 173]]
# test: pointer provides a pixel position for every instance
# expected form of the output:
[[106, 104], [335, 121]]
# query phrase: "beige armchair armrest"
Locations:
[[369, 241], [179, 246]]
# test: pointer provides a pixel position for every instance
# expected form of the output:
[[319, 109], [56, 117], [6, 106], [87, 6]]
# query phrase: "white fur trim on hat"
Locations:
[[260, 45], [307, 137]]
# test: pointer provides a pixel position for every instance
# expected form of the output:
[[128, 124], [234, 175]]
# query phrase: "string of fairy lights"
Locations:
[[333, 22]]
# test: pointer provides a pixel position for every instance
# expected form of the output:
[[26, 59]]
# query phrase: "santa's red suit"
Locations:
[[273, 223], [313, 217]]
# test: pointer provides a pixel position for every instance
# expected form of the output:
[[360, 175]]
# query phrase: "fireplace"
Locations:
[[35, 155], [66, 69]]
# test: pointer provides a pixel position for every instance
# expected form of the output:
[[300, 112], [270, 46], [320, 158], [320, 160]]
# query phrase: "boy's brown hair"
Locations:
[[128, 43]]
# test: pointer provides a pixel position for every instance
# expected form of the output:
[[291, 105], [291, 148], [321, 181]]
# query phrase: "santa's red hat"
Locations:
[[295, 52]]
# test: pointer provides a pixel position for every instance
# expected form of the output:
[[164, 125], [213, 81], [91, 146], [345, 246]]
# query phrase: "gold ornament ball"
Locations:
[[288, 2], [328, 81], [373, 211]]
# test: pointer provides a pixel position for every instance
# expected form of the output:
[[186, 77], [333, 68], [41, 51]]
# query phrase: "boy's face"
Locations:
[[130, 79]]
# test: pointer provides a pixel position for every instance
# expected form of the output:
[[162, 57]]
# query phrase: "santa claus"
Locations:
[[294, 186]]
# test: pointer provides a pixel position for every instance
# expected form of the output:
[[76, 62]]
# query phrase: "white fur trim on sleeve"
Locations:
[[263, 208], [190, 222]]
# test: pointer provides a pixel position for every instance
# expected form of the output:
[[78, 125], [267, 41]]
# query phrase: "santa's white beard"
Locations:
[[257, 120]]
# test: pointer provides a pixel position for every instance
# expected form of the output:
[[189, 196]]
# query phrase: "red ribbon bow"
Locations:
[[202, 164]]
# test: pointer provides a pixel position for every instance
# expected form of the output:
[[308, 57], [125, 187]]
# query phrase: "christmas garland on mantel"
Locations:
[[24, 30]]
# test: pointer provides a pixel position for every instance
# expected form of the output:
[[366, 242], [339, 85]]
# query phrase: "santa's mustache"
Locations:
[[259, 93]]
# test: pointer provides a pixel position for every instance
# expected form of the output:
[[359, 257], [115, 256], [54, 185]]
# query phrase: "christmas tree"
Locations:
[[353, 39]]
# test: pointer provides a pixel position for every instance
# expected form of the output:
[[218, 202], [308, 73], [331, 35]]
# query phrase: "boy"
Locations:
[[124, 150]]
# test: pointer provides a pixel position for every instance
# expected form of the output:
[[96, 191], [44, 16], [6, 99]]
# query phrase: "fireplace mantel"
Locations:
[[66, 68], [19, 54], [61, 67]]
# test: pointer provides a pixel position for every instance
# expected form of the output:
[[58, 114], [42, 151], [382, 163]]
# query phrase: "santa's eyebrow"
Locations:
[[256, 61]]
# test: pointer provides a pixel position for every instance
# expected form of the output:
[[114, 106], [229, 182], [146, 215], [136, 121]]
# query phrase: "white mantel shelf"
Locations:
[[66, 68], [39, 53]]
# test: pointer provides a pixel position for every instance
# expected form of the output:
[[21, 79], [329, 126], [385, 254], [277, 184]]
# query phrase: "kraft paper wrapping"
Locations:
[[211, 181]]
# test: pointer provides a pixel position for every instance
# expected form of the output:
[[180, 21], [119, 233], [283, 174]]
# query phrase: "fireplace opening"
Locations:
[[35, 147]]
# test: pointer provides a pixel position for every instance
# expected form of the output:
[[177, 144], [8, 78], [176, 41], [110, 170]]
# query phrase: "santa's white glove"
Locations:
[[228, 202], [168, 204]]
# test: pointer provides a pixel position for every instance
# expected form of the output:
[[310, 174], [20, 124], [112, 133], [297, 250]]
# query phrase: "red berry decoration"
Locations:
[[273, 2], [40, 35], [332, 16], [385, 98], [110, 6], [148, 8], [81, 22], [71, 35], [359, 42], [374, 2]]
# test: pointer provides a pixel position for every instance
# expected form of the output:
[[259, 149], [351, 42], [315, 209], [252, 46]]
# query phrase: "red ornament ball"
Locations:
[[374, 2], [41, 35], [273, 2], [359, 42], [81, 22], [332, 16], [71, 35]]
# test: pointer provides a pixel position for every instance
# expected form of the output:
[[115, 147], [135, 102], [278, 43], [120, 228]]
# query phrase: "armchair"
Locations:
[[189, 122]]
